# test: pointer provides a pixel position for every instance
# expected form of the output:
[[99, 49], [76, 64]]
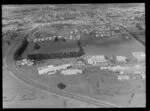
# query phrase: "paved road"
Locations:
[[12, 67]]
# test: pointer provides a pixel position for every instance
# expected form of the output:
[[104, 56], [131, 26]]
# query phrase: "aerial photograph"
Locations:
[[73, 55]]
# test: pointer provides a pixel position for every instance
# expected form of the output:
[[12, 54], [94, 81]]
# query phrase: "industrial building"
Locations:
[[115, 68], [121, 59], [42, 39], [98, 59], [123, 77], [140, 56], [46, 69], [51, 69], [25, 62], [64, 66], [71, 71], [79, 63]]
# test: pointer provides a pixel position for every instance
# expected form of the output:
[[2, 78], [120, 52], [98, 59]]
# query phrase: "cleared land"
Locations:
[[95, 83]]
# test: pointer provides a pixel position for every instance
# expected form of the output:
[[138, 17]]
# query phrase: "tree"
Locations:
[[8, 42], [64, 39], [61, 86], [139, 26], [21, 49], [56, 39], [36, 46]]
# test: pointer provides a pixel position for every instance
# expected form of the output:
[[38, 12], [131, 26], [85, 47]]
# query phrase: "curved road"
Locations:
[[10, 64]]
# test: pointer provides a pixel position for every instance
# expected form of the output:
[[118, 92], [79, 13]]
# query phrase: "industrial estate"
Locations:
[[89, 52]]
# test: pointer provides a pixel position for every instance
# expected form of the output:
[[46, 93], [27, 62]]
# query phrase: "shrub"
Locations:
[[61, 86], [36, 46]]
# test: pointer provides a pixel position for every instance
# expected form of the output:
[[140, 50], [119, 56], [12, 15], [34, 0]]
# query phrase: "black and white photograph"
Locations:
[[73, 55]]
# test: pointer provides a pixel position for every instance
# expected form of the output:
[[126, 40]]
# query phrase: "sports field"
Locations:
[[51, 47], [114, 45]]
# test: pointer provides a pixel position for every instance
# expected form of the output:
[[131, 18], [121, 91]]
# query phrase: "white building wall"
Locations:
[[139, 55], [51, 68], [123, 77], [121, 58], [71, 71], [96, 59]]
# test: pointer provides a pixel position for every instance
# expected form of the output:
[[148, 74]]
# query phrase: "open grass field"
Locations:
[[98, 84], [107, 46], [93, 82], [51, 47], [114, 45], [17, 94]]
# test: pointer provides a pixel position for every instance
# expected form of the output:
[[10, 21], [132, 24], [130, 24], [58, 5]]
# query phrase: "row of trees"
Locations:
[[20, 49], [137, 38], [36, 46], [138, 26], [39, 56], [81, 50]]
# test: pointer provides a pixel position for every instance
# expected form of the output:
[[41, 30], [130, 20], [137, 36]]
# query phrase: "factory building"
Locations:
[[71, 71], [50, 69], [94, 60], [121, 59], [64, 66], [46, 69], [140, 56], [25, 62], [115, 68], [79, 63], [123, 77]]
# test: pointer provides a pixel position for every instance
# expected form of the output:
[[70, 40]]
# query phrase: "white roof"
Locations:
[[71, 71], [50, 38], [44, 67], [119, 67], [116, 68], [123, 77], [49, 68], [139, 55], [51, 72], [137, 66], [100, 58], [121, 58], [64, 66], [39, 39], [96, 56], [59, 36], [46, 38], [35, 40]]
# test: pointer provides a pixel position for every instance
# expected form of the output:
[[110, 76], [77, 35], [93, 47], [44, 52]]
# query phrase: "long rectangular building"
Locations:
[[50, 69], [96, 59], [71, 71]]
